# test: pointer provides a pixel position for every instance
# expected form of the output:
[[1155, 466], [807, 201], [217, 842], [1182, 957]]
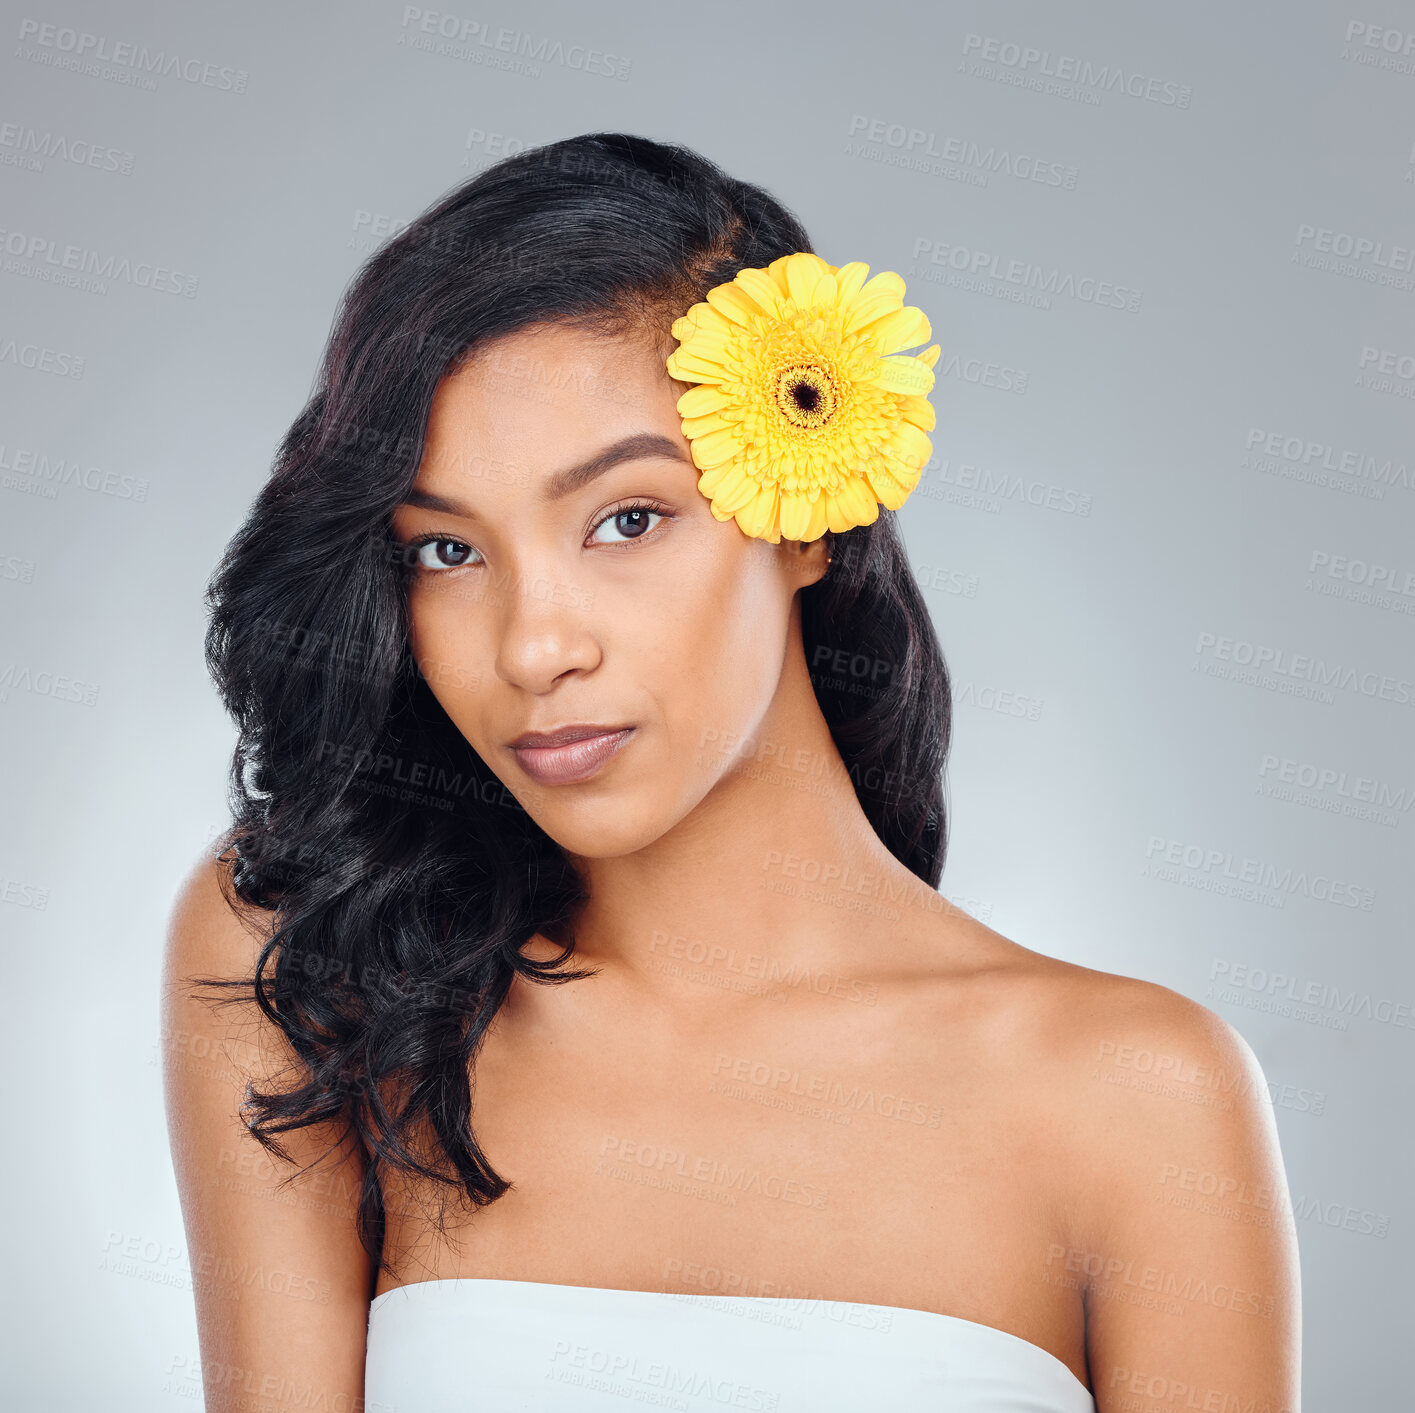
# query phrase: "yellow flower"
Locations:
[[808, 416]]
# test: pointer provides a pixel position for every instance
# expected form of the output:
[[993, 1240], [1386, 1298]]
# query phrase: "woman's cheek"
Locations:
[[451, 665]]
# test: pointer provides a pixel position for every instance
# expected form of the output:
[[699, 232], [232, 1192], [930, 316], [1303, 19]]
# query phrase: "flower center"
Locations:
[[805, 395]]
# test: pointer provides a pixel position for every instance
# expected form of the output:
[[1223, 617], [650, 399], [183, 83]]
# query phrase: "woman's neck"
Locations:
[[778, 856]]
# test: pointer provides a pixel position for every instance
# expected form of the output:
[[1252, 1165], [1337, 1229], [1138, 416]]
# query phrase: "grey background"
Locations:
[[1125, 521]]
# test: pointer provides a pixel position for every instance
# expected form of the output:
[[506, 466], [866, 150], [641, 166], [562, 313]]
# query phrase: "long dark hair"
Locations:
[[403, 877]]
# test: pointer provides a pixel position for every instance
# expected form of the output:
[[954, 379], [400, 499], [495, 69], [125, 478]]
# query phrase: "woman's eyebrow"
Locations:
[[640, 446]]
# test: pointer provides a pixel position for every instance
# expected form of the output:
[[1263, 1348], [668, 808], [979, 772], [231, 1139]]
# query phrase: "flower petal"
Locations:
[[889, 492], [803, 276], [711, 318], [904, 328], [710, 422], [859, 503], [762, 291], [851, 505], [885, 280], [699, 401], [910, 445], [866, 308], [796, 515], [759, 516], [737, 489], [711, 480], [849, 278], [710, 342], [920, 411], [733, 302], [688, 367], [907, 474], [715, 448]]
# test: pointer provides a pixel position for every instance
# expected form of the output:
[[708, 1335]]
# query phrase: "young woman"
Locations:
[[590, 1025]]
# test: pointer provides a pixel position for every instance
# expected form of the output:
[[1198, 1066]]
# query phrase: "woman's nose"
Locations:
[[544, 629]]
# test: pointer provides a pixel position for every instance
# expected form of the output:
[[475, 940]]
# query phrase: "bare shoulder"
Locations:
[[1117, 1045], [213, 935], [215, 1039], [1156, 1135], [210, 926], [1130, 1078], [1159, 1124], [1161, 1149], [1078, 1022], [278, 1270]]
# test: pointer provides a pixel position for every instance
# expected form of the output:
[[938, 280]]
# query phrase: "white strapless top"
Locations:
[[491, 1346]]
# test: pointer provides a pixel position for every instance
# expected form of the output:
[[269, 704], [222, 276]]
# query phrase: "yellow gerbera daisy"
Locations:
[[808, 416]]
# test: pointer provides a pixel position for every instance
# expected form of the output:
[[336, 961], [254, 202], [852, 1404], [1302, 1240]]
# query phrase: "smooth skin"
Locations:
[[939, 1118]]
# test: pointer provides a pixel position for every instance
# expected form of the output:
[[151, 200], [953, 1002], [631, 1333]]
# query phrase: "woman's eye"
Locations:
[[632, 523], [442, 554]]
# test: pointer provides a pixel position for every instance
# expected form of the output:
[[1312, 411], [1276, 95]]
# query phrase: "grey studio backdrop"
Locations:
[[1166, 535]]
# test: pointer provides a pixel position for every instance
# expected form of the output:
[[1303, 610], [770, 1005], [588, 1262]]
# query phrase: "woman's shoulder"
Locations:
[[1085, 1016], [279, 1276], [208, 924], [1132, 1083], [1154, 1133], [1121, 1060]]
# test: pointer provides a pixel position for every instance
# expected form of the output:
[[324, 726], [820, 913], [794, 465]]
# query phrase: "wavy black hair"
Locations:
[[404, 879]]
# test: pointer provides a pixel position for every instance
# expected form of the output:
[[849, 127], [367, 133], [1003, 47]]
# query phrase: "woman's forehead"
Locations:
[[546, 396]]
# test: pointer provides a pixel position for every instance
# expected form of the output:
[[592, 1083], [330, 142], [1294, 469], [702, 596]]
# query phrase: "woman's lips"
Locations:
[[577, 760]]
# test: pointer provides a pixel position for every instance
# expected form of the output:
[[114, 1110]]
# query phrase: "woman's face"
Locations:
[[570, 574]]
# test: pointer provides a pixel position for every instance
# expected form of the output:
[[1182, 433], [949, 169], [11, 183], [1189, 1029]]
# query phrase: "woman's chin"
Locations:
[[608, 828], [602, 844]]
